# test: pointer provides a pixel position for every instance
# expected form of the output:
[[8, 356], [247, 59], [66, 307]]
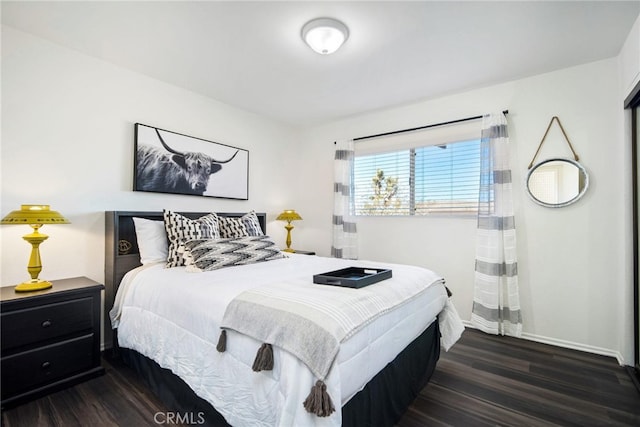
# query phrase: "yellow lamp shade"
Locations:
[[289, 215], [35, 216]]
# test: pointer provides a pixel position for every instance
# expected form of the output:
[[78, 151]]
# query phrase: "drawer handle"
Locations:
[[46, 365], [46, 323]]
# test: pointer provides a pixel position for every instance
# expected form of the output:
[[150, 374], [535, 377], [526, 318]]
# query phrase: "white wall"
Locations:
[[573, 262], [630, 60], [67, 140]]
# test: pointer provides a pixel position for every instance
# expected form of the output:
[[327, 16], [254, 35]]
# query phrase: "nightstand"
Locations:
[[50, 338]]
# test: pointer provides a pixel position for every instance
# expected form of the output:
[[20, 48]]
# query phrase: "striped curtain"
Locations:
[[345, 243], [496, 302]]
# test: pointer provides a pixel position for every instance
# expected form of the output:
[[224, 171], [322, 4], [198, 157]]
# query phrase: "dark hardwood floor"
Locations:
[[483, 381], [119, 398], [487, 380]]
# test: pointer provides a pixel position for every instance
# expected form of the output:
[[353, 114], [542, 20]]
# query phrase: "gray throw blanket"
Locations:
[[310, 321]]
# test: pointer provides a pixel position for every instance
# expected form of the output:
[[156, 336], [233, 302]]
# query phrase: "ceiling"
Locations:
[[250, 54]]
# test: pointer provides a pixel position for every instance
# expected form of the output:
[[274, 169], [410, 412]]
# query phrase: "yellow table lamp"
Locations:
[[289, 215], [35, 216]]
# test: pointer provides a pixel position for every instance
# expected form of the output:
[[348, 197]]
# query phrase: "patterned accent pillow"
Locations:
[[207, 255], [252, 224], [247, 225], [232, 227], [181, 229]]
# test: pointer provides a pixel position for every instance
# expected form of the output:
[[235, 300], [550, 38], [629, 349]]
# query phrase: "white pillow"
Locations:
[[152, 240]]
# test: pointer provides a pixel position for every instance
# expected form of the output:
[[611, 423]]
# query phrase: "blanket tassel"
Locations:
[[222, 342], [264, 359], [319, 402]]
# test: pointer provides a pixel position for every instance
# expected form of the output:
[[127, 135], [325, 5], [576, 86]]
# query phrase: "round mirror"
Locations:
[[557, 182]]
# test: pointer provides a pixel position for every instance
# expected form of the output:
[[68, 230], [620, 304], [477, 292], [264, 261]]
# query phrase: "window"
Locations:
[[382, 183], [418, 176]]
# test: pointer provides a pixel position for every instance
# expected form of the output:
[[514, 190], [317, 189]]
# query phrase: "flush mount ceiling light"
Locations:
[[325, 35]]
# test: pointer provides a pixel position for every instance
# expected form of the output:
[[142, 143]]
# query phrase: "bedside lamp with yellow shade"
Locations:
[[289, 215], [35, 216]]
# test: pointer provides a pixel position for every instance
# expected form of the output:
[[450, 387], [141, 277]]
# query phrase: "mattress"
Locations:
[[173, 316]]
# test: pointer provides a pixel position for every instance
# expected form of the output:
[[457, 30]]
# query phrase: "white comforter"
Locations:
[[173, 317]]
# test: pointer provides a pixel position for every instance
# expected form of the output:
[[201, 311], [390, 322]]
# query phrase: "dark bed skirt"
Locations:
[[381, 403]]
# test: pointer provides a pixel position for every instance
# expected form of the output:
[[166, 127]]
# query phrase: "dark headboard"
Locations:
[[121, 251]]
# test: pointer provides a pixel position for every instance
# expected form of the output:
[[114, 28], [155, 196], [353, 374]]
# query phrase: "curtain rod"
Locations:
[[422, 127]]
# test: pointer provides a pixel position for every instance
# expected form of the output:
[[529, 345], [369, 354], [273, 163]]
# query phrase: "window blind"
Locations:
[[447, 178], [422, 173], [382, 183]]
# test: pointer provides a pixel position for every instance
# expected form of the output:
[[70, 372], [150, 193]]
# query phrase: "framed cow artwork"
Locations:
[[170, 162]]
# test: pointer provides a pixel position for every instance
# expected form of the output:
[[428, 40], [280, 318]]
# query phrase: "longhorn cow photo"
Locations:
[[168, 162]]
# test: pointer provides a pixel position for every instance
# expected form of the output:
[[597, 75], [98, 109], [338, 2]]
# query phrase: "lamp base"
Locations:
[[33, 285], [289, 250]]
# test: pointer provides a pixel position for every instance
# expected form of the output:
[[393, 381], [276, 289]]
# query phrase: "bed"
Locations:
[[175, 327]]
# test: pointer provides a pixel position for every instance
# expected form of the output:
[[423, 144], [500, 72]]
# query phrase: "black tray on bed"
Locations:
[[352, 277]]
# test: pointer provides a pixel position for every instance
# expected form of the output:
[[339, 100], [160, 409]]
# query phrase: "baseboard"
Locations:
[[566, 344]]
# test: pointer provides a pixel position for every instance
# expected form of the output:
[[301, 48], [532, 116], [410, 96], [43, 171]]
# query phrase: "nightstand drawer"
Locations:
[[38, 324], [27, 370]]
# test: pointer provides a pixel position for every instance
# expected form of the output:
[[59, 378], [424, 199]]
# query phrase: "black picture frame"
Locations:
[[174, 163]]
